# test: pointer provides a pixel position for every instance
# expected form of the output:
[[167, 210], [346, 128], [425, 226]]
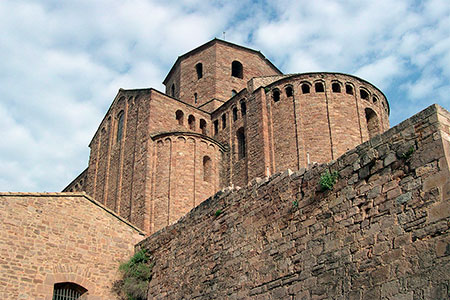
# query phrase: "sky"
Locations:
[[63, 62]]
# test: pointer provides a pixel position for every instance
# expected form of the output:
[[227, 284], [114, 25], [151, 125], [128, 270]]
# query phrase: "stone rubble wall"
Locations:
[[381, 233]]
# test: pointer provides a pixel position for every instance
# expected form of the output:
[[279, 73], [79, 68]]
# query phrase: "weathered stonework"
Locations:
[[60, 237], [228, 112], [382, 232], [229, 129]]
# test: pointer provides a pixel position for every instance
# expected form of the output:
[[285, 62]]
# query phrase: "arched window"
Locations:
[[289, 91], [336, 87], [243, 108], [203, 126], [195, 98], [172, 89], [67, 291], [364, 94], [373, 125], [207, 169], [119, 126], [179, 115], [191, 122], [305, 88], [199, 69], [235, 113], [240, 135], [276, 95], [319, 87], [349, 89], [237, 69], [233, 93], [374, 99], [224, 121]]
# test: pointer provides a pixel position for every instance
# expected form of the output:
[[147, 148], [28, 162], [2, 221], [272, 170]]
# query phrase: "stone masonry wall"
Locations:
[[381, 233], [60, 237]]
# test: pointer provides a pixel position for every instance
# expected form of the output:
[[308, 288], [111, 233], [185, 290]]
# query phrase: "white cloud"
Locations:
[[64, 61]]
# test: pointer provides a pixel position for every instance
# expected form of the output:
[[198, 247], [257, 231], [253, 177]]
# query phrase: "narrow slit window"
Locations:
[[235, 113], [224, 121], [240, 135], [207, 169], [243, 108], [199, 70], [172, 89], [195, 98], [216, 126], [119, 127]]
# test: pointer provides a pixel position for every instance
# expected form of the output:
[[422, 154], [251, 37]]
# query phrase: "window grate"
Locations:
[[66, 294]]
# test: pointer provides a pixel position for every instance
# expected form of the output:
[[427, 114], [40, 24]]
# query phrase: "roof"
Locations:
[[213, 42]]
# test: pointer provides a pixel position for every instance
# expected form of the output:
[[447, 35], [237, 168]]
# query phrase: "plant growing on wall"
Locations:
[[137, 273], [408, 153], [327, 180]]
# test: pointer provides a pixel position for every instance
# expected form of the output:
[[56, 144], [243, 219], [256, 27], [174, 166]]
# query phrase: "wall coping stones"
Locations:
[[71, 195]]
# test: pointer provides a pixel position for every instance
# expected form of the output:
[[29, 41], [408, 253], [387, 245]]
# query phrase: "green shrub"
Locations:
[[327, 180], [137, 273], [408, 153], [218, 212]]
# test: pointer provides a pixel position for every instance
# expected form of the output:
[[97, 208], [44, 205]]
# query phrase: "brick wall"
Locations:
[[117, 167], [320, 126], [60, 237], [216, 58], [185, 172], [381, 233]]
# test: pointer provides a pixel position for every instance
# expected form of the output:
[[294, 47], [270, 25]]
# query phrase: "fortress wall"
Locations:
[[47, 238], [381, 233]]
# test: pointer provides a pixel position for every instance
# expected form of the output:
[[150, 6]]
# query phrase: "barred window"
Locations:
[[68, 291]]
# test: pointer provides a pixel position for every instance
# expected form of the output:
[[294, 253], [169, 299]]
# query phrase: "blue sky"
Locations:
[[62, 62]]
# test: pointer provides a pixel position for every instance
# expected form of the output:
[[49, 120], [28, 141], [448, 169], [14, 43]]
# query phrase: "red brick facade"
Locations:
[[227, 112]]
